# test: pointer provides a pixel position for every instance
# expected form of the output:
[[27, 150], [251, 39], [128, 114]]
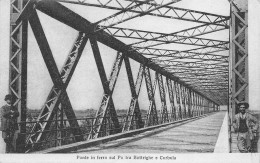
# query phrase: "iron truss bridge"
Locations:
[[190, 65]]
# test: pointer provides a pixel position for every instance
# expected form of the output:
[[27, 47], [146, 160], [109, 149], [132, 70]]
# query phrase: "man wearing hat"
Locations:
[[245, 125], [8, 126]]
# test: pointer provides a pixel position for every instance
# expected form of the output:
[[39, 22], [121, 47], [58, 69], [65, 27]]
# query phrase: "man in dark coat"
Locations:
[[246, 126], [9, 124]]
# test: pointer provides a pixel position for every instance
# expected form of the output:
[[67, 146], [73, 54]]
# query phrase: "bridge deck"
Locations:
[[195, 136]]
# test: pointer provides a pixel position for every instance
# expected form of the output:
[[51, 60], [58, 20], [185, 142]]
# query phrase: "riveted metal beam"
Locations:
[[127, 14], [179, 103], [238, 54], [162, 37], [152, 116], [186, 33], [172, 99], [106, 110], [56, 10], [61, 80], [18, 67], [164, 111], [134, 113], [163, 12], [58, 104]]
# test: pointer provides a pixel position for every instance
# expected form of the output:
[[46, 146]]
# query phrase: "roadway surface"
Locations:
[[198, 136]]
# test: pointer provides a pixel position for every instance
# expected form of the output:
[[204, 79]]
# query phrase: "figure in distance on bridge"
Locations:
[[9, 124], [246, 126]]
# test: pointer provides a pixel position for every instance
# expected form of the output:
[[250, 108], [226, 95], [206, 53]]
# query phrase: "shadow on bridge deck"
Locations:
[[199, 136]]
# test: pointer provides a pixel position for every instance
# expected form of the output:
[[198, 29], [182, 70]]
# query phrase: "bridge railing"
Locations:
[[60, 132]]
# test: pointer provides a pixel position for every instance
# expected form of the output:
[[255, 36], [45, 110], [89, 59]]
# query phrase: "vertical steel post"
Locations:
[[107, 108], [18, 68], [201, 106], [134, 109], [192, 103], [152, 117], [171, 96], [182, 102], [238, 54], [178, 97], [60, 79], [196, 104], [164, 111], [62, 127], [189, 103]]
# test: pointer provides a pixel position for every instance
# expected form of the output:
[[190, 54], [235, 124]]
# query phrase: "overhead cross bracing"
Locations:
[[202, 55]]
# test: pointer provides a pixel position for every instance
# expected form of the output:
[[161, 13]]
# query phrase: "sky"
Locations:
[[85, 89]]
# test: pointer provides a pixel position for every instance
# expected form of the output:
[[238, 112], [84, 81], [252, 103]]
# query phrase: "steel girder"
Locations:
[[203, 49], [195, 74], [192, 65], [125, 15], [208, 82], [164, 111], [195, 108], [189, 101], [194, 105], [172, 99], [134, 114], [191, 52], [60, 79], [107, 109], [174, 54], [183, 101], [178, 100], [58, 102], [186, 33], [18, 66], [199, 72], [56, 10], [101, 40], [157, 37], [152, 116], [164, 12], [197, 104], [198, 27], [238, 55], [201, 105], [194, 30]]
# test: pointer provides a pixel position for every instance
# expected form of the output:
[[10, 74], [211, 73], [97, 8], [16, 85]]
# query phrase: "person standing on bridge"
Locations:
[[9, 124], [246, 126]]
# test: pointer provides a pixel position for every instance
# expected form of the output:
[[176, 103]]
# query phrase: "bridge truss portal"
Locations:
[[194, 80]]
